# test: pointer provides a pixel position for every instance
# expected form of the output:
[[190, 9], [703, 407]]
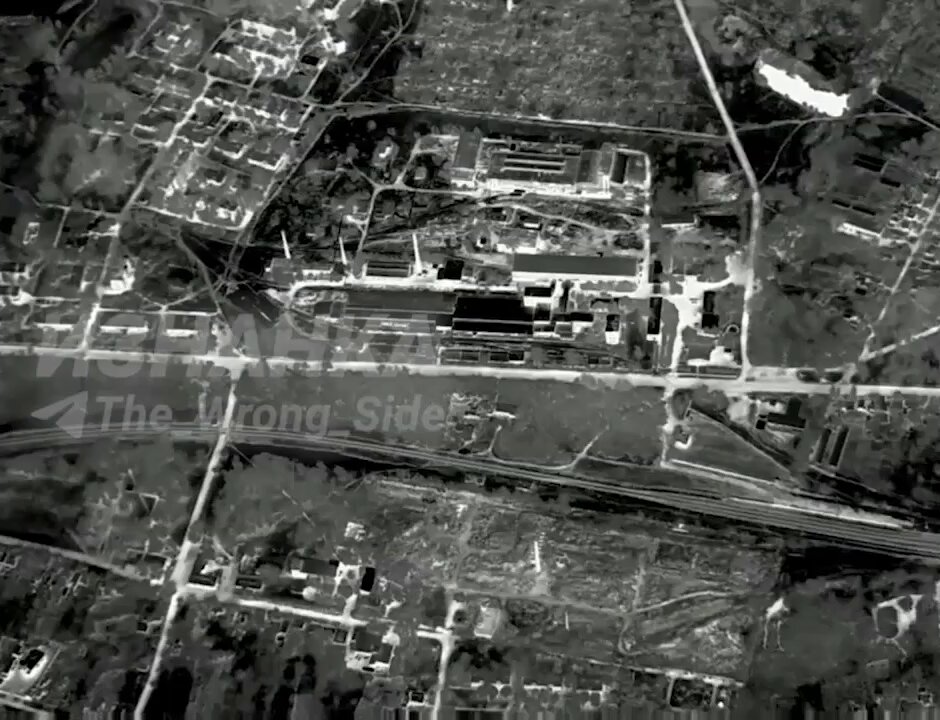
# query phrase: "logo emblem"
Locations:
[[69, 414]]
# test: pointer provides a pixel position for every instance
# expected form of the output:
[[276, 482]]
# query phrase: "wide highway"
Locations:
[[844, 527]]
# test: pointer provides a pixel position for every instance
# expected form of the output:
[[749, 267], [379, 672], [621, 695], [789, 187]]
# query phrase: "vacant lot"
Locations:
[[553, 421], [556, 421], [582, 561], [715, 446], [389, 407], [697, 605], [591, 59], [126, 394]]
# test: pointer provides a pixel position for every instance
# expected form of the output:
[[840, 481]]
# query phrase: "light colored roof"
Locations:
[[800, 84]]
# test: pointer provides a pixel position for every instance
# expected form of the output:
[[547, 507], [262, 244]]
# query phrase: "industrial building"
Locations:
[[551, 170], [531, 268]]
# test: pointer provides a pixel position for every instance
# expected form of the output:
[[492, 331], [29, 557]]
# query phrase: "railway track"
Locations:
[[857, 530]]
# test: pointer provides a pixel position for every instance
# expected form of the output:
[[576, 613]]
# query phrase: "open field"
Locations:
[[539, 625], [697, 604], [552, 422], [711, 638], [364, 405], [127, 394], [540, 554], [547, 570], [716, 446]]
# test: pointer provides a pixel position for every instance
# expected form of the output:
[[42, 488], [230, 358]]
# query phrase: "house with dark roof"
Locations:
[[790, 419], [311, 567], [531, 268]]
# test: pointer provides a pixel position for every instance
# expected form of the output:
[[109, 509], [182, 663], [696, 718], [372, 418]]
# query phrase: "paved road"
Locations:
[[743, 161], [864, 531], [187, 555], [763, 383]]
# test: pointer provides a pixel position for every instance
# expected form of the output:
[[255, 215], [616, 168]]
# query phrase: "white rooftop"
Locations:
[[798, 89]]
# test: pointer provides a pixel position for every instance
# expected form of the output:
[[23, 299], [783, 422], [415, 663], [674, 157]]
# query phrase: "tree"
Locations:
[[102, 166], [271, 10], [913, 469], [712, 402], [816, 288], [909, 364], [434, 607], [850, 43], [54, 98], [477, 659], [137, 496], [40, 497], [270, 493]]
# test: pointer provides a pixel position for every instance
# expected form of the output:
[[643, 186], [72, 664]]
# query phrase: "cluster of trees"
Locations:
[[60, 82], [852, 43], [226, 665], [829, 641], [138, 495], [310, 211], [24, 109], [420, 660], [476, 659], [40, 497], [106, 499], [912, 467], [93, 620], [270, 495], [910, 364], [529, 617], [817, 289]]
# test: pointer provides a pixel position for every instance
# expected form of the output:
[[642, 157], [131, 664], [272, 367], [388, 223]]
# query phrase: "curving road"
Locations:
[[853, 529]]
